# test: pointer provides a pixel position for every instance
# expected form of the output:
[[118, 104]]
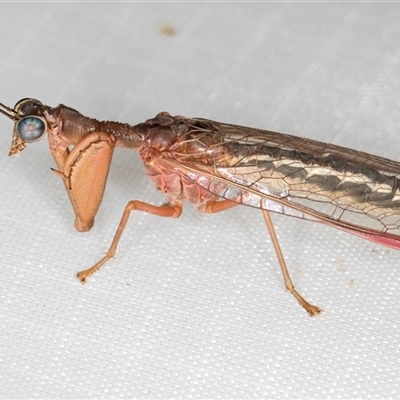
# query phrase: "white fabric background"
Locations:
[[195, 307]]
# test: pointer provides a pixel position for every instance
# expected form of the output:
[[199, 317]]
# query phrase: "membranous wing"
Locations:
[[292, 175]]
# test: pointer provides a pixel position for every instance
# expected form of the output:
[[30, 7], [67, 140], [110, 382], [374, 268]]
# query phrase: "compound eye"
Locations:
[[27, 106], [31, 129]]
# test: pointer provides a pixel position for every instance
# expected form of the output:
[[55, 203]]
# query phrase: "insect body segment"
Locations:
[[217, 166]]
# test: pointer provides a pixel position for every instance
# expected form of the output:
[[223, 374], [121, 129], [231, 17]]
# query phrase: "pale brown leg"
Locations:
[[162, 211], [312, 310], [218, 206]]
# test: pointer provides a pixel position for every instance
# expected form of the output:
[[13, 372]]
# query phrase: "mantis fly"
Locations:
[[217, 166]]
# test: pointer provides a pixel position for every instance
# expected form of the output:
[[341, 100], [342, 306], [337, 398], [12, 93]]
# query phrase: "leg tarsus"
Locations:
[[83, 275]]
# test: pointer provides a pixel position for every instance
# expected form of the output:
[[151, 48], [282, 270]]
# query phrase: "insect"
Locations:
[[217, 166]]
